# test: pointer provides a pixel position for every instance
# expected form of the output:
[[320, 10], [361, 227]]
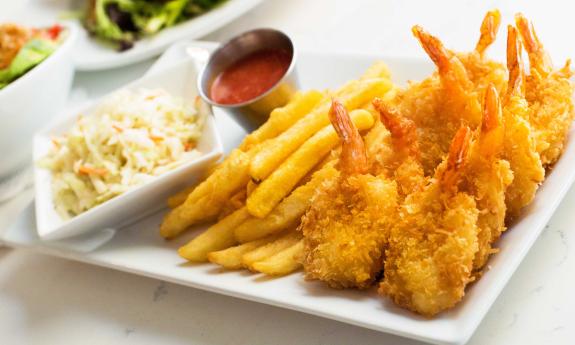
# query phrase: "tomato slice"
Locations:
[[54, 31]]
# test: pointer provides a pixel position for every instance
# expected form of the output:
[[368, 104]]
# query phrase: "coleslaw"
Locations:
[[128, 140]]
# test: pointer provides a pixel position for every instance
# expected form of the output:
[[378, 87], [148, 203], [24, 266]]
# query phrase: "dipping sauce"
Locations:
[[250, 76]]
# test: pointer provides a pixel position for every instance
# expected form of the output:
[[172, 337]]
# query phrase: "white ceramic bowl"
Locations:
[[28, 103], [179, 79]]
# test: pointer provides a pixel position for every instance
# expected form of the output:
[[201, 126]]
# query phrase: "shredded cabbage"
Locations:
[[128, 140]]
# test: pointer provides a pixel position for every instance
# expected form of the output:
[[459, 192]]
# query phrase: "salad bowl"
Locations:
[[28, 103]]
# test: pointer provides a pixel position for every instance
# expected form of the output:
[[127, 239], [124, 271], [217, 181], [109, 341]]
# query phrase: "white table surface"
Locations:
[[45, 300]]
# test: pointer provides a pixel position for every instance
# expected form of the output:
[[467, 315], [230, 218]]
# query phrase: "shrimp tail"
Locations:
[[353, 158], [566, 69], [456, 159], [516, 83], [434, 48], [491, 136], [451, 70], [489, 28], [403, 130], [539, 60]]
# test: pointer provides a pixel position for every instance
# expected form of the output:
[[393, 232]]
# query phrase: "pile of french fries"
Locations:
[[258, 194]]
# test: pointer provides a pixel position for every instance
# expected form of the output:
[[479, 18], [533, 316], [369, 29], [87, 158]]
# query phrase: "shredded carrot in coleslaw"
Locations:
[[128, 140]]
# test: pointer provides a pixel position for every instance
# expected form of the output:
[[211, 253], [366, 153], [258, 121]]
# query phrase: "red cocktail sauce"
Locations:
[[250, 76]]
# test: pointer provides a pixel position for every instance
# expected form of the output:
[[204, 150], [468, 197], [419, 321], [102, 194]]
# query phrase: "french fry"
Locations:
[[231, 258], [186, 203], [235, 202], [281, 182], [235, 159], [206, 201], [288, 212], [282, 263], [266, 251], [282, 118], [179, 198], [352, 96], [251, 187], [218, 236], [377, 70]]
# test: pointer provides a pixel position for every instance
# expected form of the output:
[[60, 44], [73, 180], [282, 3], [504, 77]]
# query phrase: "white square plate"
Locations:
[[139, 249], [177, 78]]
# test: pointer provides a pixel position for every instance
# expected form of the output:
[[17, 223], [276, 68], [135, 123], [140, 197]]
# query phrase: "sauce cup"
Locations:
[[251, 113]]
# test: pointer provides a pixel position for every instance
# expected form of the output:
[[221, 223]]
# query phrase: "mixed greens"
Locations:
[[27, 48], [124, 21]]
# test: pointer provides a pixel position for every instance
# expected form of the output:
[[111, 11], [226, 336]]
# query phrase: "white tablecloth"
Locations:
[[45, 300]]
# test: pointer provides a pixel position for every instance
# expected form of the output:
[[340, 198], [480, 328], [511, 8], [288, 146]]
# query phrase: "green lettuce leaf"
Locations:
[[103, 26], [30, 55], [151, 17], [124, 21]]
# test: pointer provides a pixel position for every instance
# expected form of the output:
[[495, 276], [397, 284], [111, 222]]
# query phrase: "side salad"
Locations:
[[127, 140], [22, 49], [125, 21]]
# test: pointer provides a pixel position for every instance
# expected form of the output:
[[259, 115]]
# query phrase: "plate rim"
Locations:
[[217, 18]]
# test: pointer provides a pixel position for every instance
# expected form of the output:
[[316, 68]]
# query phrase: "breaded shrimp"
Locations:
[[431, 248], [519, 147], [487, 176], [346, 227], [481, 70], [549, 94], [404, 164], [539, 60], [421, 103], [489, 28], [439, 104], [460, 96]]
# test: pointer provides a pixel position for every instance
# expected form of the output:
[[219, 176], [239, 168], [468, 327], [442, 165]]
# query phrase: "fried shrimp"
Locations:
[[459, 92], [439, 104], [346, 226], [519, 146], [539, 60], [431, 248], [481, 70], [489, 28], [404, 164], [487, 177], [549, 94]]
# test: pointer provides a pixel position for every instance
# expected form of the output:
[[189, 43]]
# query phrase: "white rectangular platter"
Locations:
[[139, 249]]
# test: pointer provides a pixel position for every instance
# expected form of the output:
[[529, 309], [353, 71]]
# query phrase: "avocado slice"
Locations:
[[30, 55]]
